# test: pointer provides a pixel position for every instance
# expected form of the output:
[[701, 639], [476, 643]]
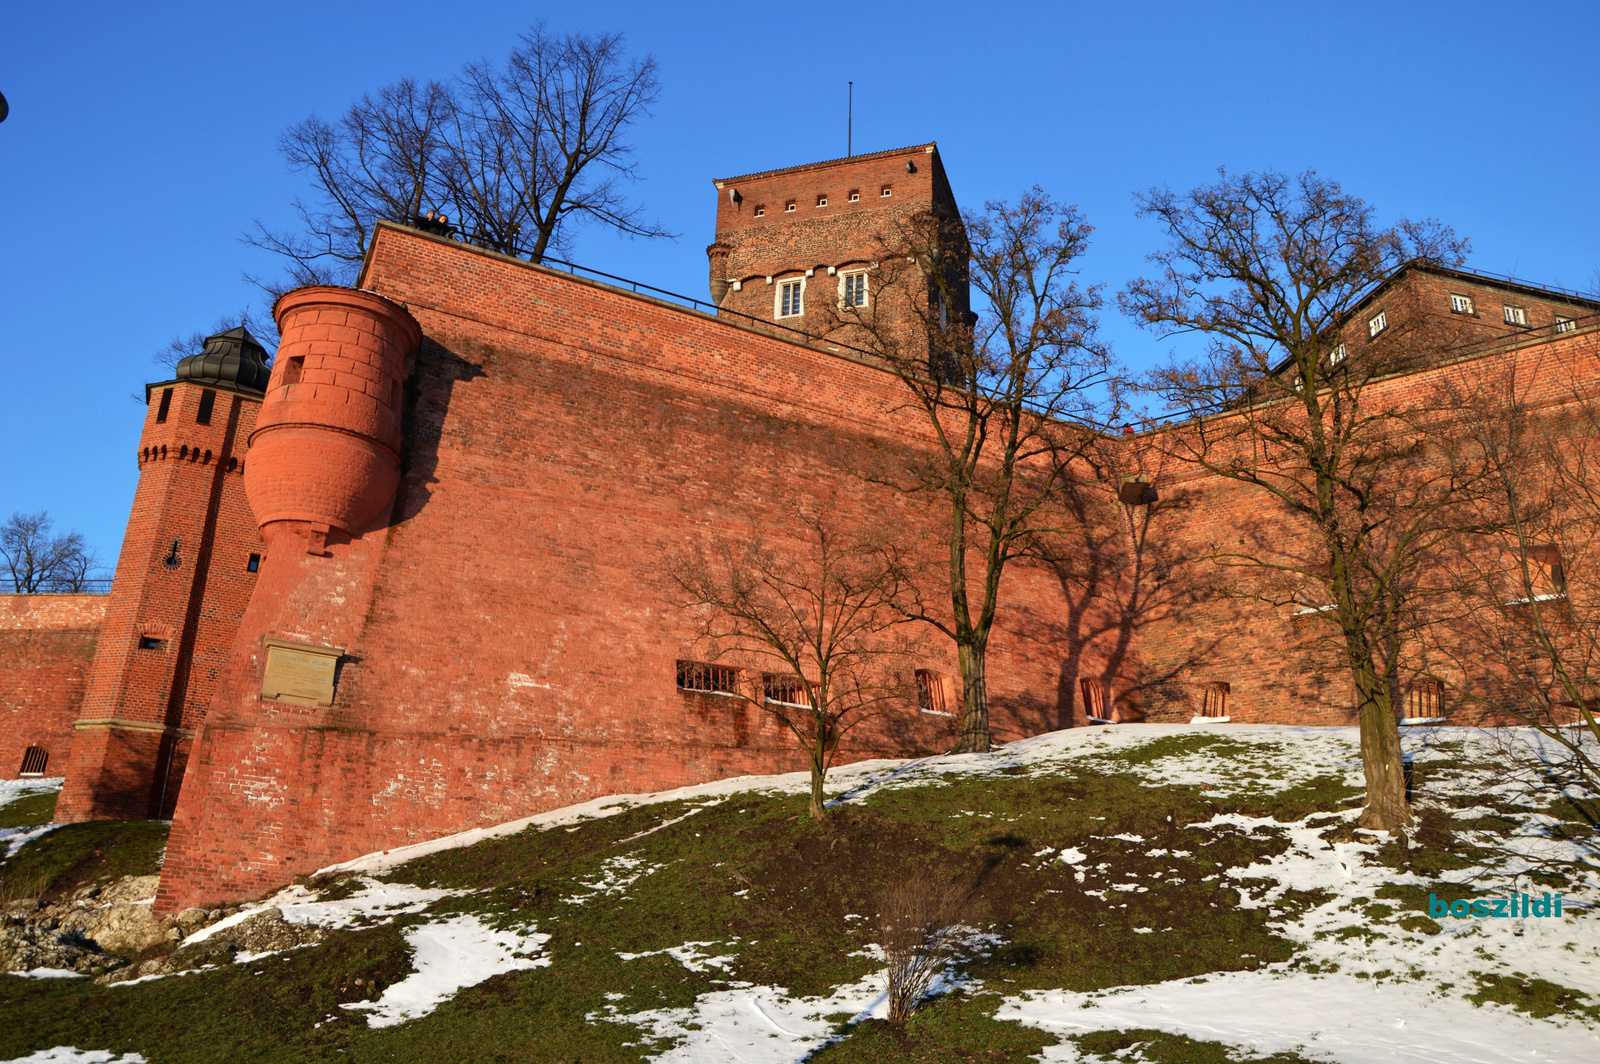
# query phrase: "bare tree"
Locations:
[[1267, 268], [1516, 637], [181, 347], [819, 630], [37, 562], [542, 142], [1012, 394], [383, 159], [919, 923], [510, 156]]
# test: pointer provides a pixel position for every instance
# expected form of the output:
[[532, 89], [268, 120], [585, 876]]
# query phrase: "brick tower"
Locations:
[[184, 575], [793, 243]]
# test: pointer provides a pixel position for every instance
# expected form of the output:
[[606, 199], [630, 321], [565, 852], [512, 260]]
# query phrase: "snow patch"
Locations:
[[374, 901], [449, 955], [73, 1055]]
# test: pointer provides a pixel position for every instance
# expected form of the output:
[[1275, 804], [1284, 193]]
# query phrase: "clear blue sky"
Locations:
[[141, 144]]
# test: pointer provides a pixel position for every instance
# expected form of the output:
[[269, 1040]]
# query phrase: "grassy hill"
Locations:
[[1154, 893]]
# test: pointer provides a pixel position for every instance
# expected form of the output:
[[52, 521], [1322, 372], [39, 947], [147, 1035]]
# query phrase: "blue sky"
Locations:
[[141, 144]]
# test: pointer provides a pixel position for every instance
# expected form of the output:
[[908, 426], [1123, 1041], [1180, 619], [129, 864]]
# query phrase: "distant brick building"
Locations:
[[411, 583]]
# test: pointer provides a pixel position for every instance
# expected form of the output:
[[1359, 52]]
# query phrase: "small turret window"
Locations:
[[208, 402], [254, 564], [166, 405], [292, 368]]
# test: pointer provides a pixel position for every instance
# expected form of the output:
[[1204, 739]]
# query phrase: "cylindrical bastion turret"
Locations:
[[325, 450]]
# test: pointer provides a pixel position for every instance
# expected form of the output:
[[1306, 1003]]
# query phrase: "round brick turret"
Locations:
[[325, 451]]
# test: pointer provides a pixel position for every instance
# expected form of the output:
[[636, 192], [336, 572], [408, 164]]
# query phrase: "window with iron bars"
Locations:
[[34, 760], [932, 694], [708, 679], [784, 690], [1096, 699], [1214, 700], [1425, 700]]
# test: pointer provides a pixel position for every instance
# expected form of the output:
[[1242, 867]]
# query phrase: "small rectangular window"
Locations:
[[822, 201], [166, 405], [1214, 699], [208, 402], [1565, 324], [1337, 356], [254, 564], [855, 195], [1515, 315], [1425, 700], [888, 190], [1377, 323], [705, 678], [149, 642], [789, 206], [784, 690], [933, 693], [293, 368], [854, 289], [34, 761], [1096, 700], [761, 210], [1461, 305], [789, 304]]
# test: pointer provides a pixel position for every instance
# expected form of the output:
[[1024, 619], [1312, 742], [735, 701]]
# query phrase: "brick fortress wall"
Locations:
[[509, 641], [46, 647]]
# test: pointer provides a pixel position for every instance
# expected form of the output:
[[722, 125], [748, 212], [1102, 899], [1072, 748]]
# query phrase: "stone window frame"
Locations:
[[783, 287], [846, 277], [1377, 323], [1463, 304], [1515, 315]]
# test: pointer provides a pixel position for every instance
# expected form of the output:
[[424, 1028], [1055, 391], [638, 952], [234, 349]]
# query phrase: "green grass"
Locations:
[[29, 811], [791, 899], [76, 855]]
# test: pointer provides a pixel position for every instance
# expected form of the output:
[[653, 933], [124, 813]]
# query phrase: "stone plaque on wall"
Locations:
[[300, 673]]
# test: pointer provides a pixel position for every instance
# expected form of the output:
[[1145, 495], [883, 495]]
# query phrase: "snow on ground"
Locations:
[[72, 1055], [1335, 1017], [372, 903], [449, 955], [13, 839]]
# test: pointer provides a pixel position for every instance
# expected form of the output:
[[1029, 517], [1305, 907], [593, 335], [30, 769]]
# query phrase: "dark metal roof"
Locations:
[[233, 358]]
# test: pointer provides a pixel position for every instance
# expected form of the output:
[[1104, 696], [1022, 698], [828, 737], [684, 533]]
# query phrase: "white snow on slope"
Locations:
[[1338, 1017], [373, 903], [13, 839], [11, 790], [72, 1055], [449, 955]]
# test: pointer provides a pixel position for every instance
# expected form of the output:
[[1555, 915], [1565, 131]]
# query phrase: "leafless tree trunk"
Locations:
[[1007, 391], [37, 561], [1267, 269], [817, 633]]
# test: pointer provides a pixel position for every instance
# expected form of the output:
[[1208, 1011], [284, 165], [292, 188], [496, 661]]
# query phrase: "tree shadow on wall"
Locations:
[[1121, 571], [428, 390]]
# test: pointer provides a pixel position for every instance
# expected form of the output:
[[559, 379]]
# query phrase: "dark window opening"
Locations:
[[784, 690], [254, 564], [1096, 700], [171, 561], [292, 368], [707, 679], [166, 405], [208, 402], [34, 760], [149, 642]]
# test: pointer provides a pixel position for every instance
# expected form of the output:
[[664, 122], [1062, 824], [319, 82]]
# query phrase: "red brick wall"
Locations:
[[46, 646], [511, 644], [190, 492]]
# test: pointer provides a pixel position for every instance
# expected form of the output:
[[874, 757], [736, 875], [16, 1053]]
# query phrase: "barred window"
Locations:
[[1214, 700], [707, 679], [1096, 699], [34, 760], [933, 693], [1425, 700], [784, 690]]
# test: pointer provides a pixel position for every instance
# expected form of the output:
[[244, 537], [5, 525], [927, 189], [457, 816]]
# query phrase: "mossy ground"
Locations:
[[794, 902]]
